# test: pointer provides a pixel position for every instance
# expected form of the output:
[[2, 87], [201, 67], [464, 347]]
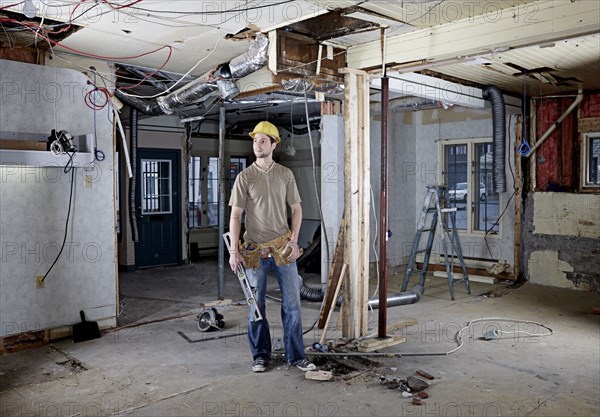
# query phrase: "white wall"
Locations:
[[332, 186], [455, 124], [301, 165], [402, 177], [34, 203]]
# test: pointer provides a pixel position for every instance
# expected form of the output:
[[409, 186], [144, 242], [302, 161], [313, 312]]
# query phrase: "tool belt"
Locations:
[[254, 252]]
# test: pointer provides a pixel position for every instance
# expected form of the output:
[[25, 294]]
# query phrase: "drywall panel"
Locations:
[[34, 203], [332, 185], [567, 214], [546, 269]]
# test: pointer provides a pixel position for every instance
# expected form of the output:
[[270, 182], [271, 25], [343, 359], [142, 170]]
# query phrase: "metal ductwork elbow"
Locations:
[[222, 78], [494, 96]]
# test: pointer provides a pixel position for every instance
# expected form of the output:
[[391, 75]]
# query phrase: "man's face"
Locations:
[[263, 148]]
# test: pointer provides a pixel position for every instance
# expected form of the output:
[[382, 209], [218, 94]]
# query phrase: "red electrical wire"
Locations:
[[91, 103], [124, 6], [11, 5]]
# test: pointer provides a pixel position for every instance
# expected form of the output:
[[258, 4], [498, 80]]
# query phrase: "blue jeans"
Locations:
[[259, 335]]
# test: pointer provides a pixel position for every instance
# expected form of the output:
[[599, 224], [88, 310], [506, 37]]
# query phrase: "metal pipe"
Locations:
[[394, 300], [400, 299], [221, 202], [548, 132], [383, 200]]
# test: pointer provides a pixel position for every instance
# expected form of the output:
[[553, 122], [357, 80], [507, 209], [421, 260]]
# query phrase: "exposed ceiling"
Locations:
[[176, 36]]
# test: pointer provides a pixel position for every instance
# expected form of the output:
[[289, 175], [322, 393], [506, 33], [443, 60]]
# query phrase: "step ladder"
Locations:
[[432, 208]]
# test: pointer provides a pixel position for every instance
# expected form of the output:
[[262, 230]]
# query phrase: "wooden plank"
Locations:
[[335, 296], [354, 71], [365, 176], [470, 271], [588, 124], [518, 200], [390, 327], [334, 274], [376, 344], [350, 203], [472, 277], [24, 145]]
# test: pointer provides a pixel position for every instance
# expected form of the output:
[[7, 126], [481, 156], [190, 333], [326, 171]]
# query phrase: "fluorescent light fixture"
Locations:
[[29, 9], [425, 86]]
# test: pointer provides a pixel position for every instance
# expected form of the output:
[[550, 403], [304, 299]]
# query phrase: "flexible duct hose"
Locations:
[[222, 79], [393, 300], [494, 95]]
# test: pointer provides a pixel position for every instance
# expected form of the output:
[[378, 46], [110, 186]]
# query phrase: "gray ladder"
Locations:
[[448, 239]]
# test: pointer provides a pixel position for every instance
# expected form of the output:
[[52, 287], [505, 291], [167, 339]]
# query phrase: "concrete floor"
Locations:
[[152, 370]]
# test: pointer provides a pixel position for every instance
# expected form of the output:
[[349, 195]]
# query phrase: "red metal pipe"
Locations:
[[385, 98]]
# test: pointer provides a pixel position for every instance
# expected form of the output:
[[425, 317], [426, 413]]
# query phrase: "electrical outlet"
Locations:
[[87, 181], [39, 282]]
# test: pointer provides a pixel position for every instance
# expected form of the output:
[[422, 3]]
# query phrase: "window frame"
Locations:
[[205, 159], [472, 176], [585, 165]]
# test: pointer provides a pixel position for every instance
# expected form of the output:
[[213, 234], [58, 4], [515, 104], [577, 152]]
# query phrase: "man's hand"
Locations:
[[294, 251], [236, 259]]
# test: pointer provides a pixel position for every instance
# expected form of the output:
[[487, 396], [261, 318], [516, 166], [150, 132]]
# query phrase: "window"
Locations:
[[203, 188], [467, 172], [591, 160], [156, 186], [194, 192]]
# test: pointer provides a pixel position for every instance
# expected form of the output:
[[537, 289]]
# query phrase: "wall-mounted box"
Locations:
[[28, 149]]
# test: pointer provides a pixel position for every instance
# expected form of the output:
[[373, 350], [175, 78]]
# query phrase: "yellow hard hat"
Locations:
[[268, 129]]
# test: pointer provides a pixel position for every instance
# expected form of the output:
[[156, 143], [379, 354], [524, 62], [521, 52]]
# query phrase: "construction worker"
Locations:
[[262, 190]]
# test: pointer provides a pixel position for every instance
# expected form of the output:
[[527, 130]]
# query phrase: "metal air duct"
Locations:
[[222, 78], [494, 95]]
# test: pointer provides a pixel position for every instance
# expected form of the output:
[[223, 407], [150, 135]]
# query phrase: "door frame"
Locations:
[[174, 155]]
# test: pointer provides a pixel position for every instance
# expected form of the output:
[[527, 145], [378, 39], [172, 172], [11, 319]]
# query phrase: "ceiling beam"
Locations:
[[495, 30]]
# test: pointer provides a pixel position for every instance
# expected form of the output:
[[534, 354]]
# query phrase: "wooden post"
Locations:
[[332, 307], [357, 200], [518, 200]]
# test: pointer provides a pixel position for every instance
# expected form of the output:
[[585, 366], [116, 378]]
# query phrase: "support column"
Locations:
[[357, 201], [221, 284]]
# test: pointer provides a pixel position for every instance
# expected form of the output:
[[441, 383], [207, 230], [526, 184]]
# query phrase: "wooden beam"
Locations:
[[335, 275], [470, 271], [332, 306], [391, 327], [357, 202], [375, 344]]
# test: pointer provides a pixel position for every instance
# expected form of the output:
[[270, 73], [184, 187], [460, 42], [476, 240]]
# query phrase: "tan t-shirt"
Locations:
[[264, 196]]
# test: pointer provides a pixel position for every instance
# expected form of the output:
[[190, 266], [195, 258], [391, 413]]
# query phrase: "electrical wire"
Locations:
[[66, 223], [497, 222], [215, 12], [458, 339], [314, 168], [179, 80], [524, 148], [98, 154], [374, 252]]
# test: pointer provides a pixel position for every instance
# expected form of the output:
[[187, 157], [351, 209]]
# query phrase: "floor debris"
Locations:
[[416, 384], [424, 374], [319, 375]]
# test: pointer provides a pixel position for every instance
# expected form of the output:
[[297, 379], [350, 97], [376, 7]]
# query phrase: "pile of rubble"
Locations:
[[411, 387]]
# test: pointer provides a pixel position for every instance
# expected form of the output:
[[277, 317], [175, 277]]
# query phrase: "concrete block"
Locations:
[[318, 375]]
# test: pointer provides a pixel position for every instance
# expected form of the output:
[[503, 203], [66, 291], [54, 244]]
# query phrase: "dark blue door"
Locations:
[[158, 208]]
